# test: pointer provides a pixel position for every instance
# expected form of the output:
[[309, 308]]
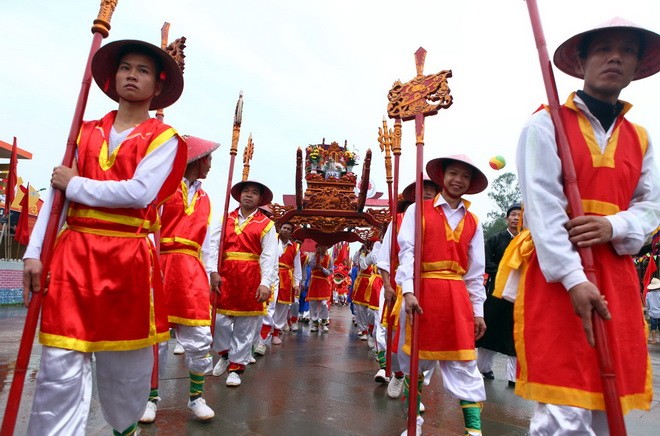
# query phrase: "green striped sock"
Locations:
[[128, 432], [381, 359], [472, 416], [196, 384], [406, 389], [153, 395]]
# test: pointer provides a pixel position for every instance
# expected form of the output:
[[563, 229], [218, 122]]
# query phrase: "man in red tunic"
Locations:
[[105, 293], [249, 267], [287, 289], [184, 251], [394, 296], [450, 304], [620, 188], [320, 289]]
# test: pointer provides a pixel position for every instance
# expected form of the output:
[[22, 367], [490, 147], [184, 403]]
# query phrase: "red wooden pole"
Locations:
[[238, 117], [100, 29], [419, 213], [612, 403]]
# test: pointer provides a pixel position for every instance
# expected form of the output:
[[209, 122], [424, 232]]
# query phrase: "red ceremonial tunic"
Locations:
[[319, 284], [182, 235], [105, 291], [241, 272], [368, 286], [554, 338], [446, 330], [342, 288], [285, 291]]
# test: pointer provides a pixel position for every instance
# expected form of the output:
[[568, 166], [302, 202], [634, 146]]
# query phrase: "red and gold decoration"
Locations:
[[329, 210]]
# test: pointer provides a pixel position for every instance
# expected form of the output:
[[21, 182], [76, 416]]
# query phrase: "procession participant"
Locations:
[[248, 269], [290, 275], [498, 313], [184, 258], [127, 164], [295, 310], [367, 291], [391, 295], [320, 291], [452, 292], [620, 187]]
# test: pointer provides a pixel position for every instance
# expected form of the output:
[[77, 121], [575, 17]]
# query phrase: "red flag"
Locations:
[[11, 179], [22, 234], [342, 252], [650, 269]]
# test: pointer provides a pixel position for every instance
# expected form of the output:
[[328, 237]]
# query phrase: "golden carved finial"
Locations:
[[423, 95], [102, 22], [385, 141], [175, 49], [247, 157]]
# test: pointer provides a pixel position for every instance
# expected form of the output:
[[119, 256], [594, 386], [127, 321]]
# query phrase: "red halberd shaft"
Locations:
[[612, 404], [100, 30], [417, 274]]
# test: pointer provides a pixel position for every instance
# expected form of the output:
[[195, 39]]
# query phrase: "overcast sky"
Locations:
[[309, 70]]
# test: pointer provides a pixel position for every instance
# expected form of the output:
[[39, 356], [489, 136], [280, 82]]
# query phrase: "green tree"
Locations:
[[504, 191]]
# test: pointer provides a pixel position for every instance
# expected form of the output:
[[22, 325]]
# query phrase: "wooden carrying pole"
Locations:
[[238, 118], [100, 30], [612, 404], [423, 96]]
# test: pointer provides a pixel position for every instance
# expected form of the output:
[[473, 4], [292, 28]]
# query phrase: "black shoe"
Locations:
[[512, 384], [488, 375]]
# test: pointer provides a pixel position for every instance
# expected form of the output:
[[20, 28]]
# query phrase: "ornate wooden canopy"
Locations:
[[329, 211]]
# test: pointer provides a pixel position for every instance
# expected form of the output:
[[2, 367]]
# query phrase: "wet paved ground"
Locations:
[[316, 384]]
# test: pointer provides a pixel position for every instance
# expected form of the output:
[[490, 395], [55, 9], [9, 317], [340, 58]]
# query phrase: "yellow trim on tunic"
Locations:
[[188, 208], [106, 161], [445, 275], [444, 355], [240, 313], [102, 232], [443, 265], [239, 255], [600, 207], [111, 217], [643, 138], [161, 139], [266, 229], [89, 347], [189, 322], [183, 241]]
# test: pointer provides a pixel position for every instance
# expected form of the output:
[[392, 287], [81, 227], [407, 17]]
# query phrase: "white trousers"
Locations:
[[554, 420], [318, 309], [485, 359], [277, 314], [361, 317], [196, 341], [236, 334], [64, 389], [461, 378]]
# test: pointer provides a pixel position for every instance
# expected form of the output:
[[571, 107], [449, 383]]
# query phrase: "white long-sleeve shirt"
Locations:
[[268, 259], [206, 244], [474, 274], [297, 269], [137, 192], [383, 260], [539, 171]]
